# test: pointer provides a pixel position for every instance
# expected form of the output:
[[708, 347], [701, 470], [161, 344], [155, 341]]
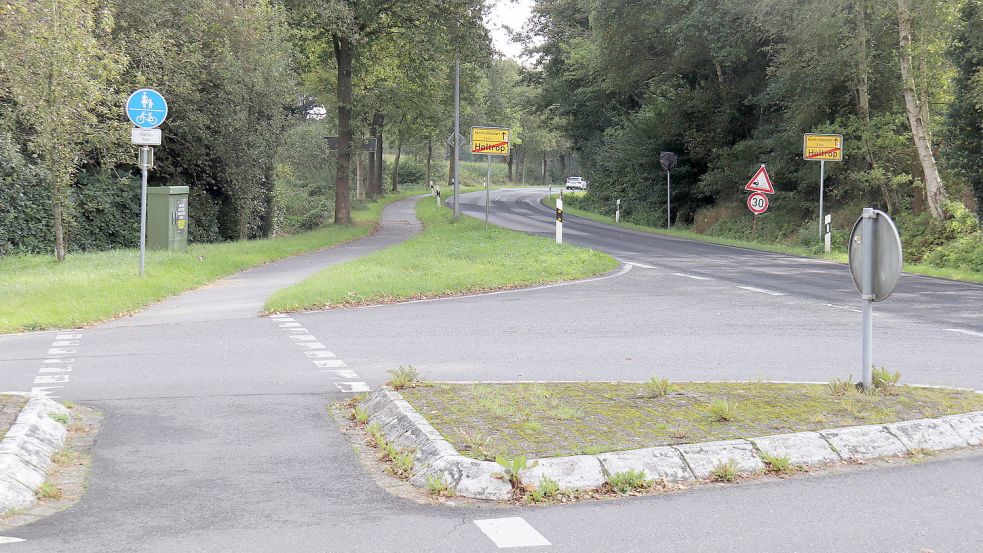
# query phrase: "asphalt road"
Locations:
[[217, 436]]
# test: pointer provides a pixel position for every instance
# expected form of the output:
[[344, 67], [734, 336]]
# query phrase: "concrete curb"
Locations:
[[26, 451], [436, 457]]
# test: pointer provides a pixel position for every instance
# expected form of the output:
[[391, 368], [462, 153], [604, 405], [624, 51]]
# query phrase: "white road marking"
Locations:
[[642, 265], [346, 374], [311, 345], [329, 363], [62, 351], [303, 337], [52, 379], [846, 307], [10, 539], [301, 329], [289, 325], [43, 390], [282, 318], [317, 354], [55, 370], [753, 289], [352, 387], [60, 343], [694, 277], [62, 360], [68, 336], [511, 532], [964, 331]]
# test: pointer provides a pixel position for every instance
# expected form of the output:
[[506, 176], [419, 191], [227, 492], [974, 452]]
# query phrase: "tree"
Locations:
[[917, 108], [64, 103], [352, 28], [965, 116]]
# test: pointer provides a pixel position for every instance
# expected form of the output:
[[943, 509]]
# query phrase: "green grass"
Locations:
[[446, 259], [839, 257], [36, 292], [522, 419]]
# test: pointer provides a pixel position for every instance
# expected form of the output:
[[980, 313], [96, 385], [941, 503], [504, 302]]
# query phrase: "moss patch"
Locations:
[[557, 419]]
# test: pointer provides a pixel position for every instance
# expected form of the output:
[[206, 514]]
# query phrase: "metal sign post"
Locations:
[[146, 109], [487, 191], [822, 148], [457, 135], [875, 265], [559, 220], [146, 162]]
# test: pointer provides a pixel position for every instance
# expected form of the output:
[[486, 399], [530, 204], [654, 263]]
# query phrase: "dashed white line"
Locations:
[[964, 331], [51, 379], [318, 354], [310, 345], [642, 265], [303, 337], [759, 290], [511, 532], [330, 363], [352, 387], [10, 539], [345, 374], [694, 277]]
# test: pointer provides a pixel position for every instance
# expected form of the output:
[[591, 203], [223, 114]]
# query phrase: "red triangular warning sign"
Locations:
[[760, 182]]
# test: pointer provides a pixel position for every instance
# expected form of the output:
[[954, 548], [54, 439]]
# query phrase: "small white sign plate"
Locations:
[[145, 137]]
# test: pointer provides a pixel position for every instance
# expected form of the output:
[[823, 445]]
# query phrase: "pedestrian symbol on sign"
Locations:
[[146, 108]]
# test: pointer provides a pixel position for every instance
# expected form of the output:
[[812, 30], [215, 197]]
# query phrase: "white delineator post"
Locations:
[[867, 293], [436, 193], [617, 212], [827, 239], [559, 220]]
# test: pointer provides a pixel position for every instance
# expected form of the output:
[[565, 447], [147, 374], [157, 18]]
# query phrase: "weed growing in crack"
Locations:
[[656, 387], [546, 490], [778, 464], [629, 481], [724, 472], [722, 410], [407, 376], [437, 487]]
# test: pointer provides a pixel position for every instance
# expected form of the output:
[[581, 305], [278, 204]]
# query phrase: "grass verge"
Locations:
[[445, 259], [37, 293], [556, 419], [840, 257]]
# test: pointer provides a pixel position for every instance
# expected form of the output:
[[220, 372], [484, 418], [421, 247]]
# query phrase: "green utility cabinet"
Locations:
[[167, 218]]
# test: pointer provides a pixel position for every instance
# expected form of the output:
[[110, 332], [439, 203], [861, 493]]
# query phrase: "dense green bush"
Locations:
[[104, 212], [25, 203]]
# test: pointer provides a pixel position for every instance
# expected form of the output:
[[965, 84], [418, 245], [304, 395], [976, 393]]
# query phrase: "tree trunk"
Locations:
[[934, 188], [59, 226], [563, 166], [342, 194], [359, 176], [269, 214], [429, 162], [399, 151], [509, 160], [544, 168], [522, 166], [380, 168]]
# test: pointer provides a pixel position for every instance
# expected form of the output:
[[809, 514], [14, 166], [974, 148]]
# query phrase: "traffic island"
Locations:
[[537, 441]]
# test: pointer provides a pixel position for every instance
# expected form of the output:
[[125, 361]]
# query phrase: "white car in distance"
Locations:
[[576, 183]]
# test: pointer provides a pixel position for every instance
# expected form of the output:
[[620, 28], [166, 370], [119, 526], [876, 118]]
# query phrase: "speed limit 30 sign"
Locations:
[[757, 203]]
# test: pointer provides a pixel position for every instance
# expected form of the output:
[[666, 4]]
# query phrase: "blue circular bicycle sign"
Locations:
[[146, 108]]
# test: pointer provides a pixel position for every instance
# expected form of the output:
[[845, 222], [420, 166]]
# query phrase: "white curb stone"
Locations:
[[969, 426], [578, 471], [435, 456], [659, 463], [801, 448], [930, 434], [26, 450], [704, 458], [864, 442]]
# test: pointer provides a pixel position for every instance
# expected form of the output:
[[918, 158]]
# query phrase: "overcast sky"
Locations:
[[512, 13]]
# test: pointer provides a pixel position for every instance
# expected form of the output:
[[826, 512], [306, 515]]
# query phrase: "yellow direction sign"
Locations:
[[490, 141], [822, 147]]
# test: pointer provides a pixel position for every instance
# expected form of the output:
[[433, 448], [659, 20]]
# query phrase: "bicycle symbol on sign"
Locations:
[[146, 117]]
